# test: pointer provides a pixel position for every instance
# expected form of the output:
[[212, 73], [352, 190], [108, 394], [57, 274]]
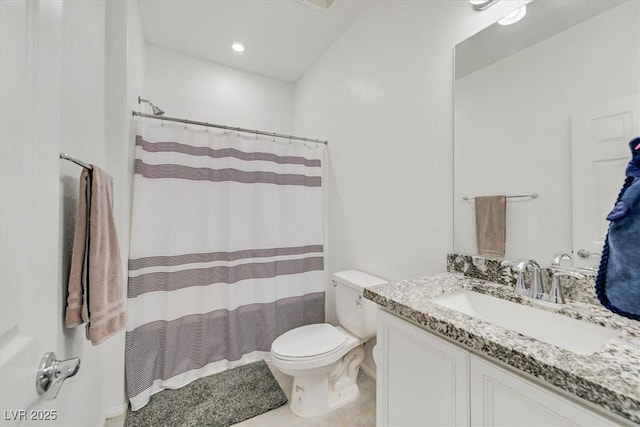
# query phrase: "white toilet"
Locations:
[[325, 359]]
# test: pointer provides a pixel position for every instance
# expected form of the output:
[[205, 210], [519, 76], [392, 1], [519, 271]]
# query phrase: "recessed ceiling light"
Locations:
[[238, 47], [514, 16]]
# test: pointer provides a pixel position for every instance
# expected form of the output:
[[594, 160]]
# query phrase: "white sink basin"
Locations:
[[570, 334]]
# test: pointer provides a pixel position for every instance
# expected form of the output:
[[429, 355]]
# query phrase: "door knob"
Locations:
[[52, 373]]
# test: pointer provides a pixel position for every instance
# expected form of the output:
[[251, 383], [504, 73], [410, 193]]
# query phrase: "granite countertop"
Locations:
[[609, 378]]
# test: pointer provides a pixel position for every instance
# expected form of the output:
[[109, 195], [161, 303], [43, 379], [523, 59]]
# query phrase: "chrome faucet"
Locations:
[[555, 262], [555, 294], [536, 290]]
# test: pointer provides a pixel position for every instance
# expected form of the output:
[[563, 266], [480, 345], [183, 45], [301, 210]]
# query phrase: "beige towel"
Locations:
[[96, 287], [491, 225]]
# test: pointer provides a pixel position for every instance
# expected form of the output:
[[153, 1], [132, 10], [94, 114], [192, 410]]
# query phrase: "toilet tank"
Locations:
[[355, 313]]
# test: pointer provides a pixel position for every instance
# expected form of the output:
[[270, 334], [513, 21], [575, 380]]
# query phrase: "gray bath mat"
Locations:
[[218, 400]]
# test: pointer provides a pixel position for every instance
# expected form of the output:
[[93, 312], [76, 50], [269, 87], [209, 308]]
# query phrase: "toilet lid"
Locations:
[[307, 341]]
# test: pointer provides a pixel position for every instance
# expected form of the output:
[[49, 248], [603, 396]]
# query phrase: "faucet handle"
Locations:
[[520, 287], [537, 285], [555, 294], [533, 263], [520, 266], [584, 253]]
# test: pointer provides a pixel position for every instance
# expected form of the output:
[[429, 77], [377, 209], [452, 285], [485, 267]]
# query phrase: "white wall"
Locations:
[[125, 53], [191, 88], [98, 77], [82, 136], [515, 116], [382, 96]]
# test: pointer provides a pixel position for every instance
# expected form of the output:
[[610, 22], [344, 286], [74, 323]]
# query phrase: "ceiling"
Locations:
[[282, 38], [544, 19]]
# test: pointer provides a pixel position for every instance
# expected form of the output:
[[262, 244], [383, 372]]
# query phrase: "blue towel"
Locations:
[[618, 280]]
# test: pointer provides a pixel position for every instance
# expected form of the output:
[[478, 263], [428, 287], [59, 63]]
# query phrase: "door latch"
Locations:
[[52, 373]]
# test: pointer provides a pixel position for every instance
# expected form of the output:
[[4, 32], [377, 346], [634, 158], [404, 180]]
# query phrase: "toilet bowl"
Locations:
[[322, 379], [323, 359]]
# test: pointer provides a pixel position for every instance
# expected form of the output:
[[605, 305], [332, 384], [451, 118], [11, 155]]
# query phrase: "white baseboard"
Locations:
[[368, 371], [117, 410]]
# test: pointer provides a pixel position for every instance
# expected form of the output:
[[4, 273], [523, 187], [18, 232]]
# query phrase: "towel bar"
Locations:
[[76, 161], [532, 195]]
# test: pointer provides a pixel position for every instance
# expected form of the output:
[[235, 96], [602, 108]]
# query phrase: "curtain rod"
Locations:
[[532, 195], [76, 161], [237, 129]]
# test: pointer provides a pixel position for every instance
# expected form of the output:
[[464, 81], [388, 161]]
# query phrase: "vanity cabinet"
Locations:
[[424, 380], [501, 398]]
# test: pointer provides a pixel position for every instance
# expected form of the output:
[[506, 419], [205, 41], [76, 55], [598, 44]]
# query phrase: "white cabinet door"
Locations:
[[501, 398], [422, 379]]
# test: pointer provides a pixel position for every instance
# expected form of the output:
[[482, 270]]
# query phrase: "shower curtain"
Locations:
[[226, 251]]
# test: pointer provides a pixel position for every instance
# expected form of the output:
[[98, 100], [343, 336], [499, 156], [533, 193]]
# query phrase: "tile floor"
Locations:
[[361, 413]]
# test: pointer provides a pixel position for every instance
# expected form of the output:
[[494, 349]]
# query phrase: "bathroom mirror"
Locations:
[[518, 89]]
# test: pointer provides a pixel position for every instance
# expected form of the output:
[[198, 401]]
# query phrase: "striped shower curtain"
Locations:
[[226, 251]]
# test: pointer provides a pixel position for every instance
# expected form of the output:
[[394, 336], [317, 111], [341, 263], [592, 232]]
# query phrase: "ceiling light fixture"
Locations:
[[514, 16], [317, 4], [238, 47], [482, 4]]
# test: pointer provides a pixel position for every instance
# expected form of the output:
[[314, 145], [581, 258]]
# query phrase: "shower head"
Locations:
[[156, 111]]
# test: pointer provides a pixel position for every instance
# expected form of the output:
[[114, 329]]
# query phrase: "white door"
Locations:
[[600, 152], [29, 147]]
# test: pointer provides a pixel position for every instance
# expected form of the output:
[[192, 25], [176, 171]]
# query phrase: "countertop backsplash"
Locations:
[[493, 270]]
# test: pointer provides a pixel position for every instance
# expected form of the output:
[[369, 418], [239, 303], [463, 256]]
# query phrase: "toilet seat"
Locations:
[[291, 352], [310, 342]]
